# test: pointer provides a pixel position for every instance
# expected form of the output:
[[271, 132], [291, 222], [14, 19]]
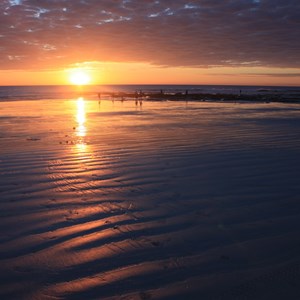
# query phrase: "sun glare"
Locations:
[[81, 129], [79, 77]]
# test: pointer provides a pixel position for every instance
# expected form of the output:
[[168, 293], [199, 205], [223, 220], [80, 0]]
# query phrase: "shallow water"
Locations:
[[162, 200]]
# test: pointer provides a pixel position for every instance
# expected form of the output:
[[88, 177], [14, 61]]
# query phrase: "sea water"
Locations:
[[91, 91]]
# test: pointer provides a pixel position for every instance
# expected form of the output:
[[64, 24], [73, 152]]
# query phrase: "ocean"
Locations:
[[9, 93]]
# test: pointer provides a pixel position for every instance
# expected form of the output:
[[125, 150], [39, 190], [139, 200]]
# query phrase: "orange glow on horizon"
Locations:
[[102, 73]]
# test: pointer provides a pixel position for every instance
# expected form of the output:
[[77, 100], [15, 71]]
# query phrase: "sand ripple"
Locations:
[[165, 203]]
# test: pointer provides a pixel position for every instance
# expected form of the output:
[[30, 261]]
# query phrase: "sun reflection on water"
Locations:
[[81, 118], [81, 129]]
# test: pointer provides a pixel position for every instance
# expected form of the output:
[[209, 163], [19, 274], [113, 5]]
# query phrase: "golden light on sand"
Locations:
[[80, 117], [81, 148], [79, 77], [81, 129]]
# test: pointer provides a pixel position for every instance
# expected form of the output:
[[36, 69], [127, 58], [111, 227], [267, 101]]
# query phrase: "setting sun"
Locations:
[[79, 77]]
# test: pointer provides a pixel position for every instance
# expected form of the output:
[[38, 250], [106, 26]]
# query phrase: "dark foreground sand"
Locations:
[[159, 201]]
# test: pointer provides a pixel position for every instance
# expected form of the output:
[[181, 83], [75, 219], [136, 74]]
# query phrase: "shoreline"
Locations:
[[203, 97]]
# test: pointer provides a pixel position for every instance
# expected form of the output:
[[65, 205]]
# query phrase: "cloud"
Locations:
[[47, 34], [279, 74]]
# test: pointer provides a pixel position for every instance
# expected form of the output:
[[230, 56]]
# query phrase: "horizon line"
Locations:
[[149, 84]]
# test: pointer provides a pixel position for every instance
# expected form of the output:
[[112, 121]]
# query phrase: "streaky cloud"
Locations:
[[43, 34]]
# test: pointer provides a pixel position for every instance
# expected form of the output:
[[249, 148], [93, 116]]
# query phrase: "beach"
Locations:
[[152, 200]]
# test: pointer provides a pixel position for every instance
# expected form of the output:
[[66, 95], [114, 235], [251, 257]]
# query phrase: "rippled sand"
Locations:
[[168, 200]]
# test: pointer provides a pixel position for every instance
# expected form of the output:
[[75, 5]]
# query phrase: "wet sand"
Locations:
[[164, 200]]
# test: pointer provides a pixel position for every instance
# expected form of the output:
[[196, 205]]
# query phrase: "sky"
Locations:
[[249, 42]]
